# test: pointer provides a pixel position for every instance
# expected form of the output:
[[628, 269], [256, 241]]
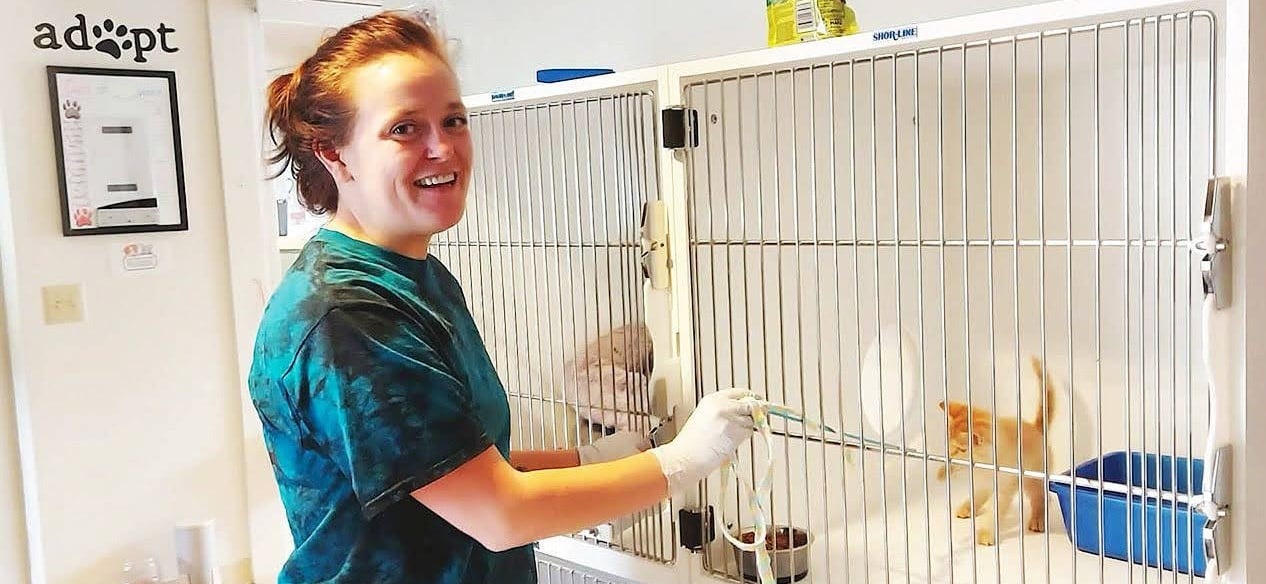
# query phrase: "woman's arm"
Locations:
[[605, 449], [504, 508], [528, 460]]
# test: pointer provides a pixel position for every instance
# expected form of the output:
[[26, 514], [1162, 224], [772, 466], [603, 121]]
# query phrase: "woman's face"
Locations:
[[408, 157]]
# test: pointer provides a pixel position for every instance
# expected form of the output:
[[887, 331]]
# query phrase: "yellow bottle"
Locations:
[[797, 21]]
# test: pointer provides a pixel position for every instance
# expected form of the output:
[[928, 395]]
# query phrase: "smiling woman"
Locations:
[[387, 424], [378, 132], [406, 162]]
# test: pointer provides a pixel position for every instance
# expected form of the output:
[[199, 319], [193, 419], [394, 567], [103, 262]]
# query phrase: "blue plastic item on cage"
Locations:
[[556, 75], [1162, 532]]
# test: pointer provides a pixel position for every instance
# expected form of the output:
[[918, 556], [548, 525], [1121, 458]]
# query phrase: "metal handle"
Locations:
[[1215, 268], [1215, 505]]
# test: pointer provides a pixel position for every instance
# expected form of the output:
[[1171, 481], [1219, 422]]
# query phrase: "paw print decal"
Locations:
[[83, 217], [108, 45], [71, 109]]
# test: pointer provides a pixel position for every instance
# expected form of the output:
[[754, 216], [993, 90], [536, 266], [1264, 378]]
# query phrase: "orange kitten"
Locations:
[[973, 429]]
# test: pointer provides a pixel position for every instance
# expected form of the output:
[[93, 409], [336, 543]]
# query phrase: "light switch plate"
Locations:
[[63, 304]]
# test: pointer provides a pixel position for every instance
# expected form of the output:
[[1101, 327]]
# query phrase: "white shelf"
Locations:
[[293, 242], [897, 533], [932, 561]]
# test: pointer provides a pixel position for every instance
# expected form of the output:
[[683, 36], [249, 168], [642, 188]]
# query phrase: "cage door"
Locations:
[[971, 257], [549, 256]]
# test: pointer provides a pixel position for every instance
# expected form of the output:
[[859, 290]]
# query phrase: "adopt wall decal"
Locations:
[[115, 39]]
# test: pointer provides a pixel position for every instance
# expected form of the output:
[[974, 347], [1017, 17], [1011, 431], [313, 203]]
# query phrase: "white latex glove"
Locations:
[[719, 425], [613, 447]]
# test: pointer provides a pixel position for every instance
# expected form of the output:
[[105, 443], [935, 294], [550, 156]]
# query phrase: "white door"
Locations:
[[13, 539], [240, 47]]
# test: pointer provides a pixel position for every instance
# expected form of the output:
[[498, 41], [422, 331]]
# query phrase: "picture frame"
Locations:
[[120, 166]]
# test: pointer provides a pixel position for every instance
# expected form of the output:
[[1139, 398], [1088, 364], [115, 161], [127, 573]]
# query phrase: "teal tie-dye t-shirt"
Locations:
[[371, 381]]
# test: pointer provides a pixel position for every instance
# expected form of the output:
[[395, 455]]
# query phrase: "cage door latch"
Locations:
[[697, 528], [680, 127], [655, 262], [1215, 505], [1211, 245]]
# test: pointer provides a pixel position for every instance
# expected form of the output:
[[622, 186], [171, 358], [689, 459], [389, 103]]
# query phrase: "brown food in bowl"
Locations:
[[780, 539]]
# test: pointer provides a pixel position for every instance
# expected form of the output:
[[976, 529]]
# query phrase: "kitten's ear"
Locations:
[[941, 405]]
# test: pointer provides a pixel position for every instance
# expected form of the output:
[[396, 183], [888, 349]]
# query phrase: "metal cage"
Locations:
[[872, 236], [549, 256], [880, 237], [550, 570]]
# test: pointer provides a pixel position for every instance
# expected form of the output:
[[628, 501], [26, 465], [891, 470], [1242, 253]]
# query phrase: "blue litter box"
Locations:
[[1177, 525]]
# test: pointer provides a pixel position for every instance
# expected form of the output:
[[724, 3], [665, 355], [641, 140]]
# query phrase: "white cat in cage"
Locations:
[[610, 377]]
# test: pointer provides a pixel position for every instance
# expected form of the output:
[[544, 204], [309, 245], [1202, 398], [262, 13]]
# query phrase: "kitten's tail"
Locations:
[[1046, 407]]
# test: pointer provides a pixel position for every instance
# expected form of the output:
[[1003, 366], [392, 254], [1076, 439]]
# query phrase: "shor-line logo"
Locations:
[[895, 34]]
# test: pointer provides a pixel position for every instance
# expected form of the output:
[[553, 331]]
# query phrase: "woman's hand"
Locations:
[[719, 425]]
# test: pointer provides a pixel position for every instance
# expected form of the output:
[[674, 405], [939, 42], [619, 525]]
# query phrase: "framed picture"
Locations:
[[119, 165]]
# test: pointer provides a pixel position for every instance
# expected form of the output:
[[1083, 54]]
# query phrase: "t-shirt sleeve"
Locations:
[[383, 404]]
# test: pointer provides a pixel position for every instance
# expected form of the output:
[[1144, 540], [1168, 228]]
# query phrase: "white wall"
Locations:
[[134, 415], [504, 43]]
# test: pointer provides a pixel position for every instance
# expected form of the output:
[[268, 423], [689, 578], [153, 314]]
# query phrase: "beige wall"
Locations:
[[131, 419]]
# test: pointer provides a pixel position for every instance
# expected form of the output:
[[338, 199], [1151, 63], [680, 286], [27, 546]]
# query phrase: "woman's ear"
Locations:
[[332, 160]]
